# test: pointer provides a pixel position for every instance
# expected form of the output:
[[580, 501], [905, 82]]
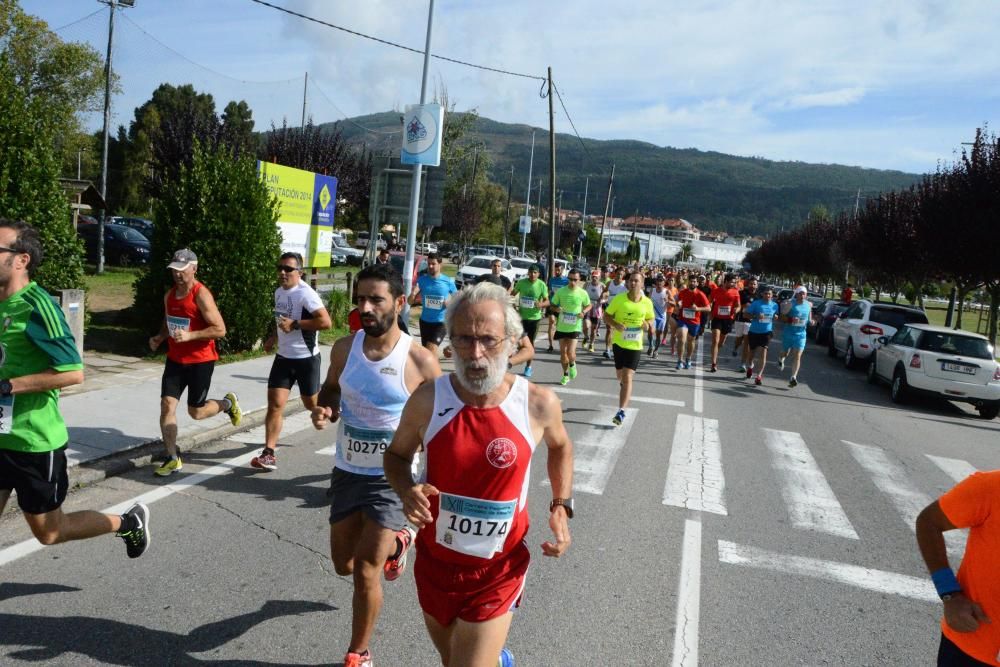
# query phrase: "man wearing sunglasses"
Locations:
[[38, 357], [191, 325], [299, 316], [478, 428]]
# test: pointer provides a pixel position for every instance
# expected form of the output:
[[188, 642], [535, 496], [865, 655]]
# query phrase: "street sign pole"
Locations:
[[411, 227], [527, 195]]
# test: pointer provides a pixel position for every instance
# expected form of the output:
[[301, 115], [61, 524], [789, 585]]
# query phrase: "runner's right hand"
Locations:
[[322, 415], [416, 506]]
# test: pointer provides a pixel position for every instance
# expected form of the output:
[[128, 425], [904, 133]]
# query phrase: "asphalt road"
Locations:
[[723, 524]]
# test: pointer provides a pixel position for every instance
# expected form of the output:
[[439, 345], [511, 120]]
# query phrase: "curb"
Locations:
[[142, 455]]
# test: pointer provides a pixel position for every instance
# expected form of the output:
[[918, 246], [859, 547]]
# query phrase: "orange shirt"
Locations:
[[974, 503], [672, 291], [184, 313], [725, 298]]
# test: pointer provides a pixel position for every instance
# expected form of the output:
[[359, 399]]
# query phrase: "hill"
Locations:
[[715, 191]]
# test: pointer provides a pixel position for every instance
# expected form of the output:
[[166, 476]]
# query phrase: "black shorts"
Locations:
[[40, 479], [286, 372], [755, 340], [725, 326], [551, 312], [568, 335], [196, 378], [530, 329], [950, 655], [625, 358], [431, 333]]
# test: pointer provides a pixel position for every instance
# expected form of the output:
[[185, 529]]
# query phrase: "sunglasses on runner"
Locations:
[[284, 268]]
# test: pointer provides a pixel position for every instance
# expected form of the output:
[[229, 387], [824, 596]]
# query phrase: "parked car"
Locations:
[[427, 248], [521, 266], [361, 241], [944, 363], [398, 260], [123, 245], [856, 329], [831, 311], [141, 225], [341, 248], [479, 265], [818, 304]]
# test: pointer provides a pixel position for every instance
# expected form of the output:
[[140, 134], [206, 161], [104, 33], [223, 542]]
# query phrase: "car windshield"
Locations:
[[953, 343], [521, 263], [480, 263], [835, 308], [126, 233], [896, 317], [338, 241]]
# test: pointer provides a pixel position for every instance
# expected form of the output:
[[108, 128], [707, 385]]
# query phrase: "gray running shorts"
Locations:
[[351, 493]]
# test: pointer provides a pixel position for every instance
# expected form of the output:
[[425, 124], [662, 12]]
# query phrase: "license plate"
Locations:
[[958, 368]]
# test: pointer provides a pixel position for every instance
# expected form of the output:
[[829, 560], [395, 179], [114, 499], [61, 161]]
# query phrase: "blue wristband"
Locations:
[[945, 581]]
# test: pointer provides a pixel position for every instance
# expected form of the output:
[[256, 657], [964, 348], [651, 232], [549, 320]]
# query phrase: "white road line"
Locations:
[[694, 478], [699, 380], [596, 452], [635, 399], [890, 478], [917, 588], [688, 598], [957, 469], [811, 502], [27, 547]]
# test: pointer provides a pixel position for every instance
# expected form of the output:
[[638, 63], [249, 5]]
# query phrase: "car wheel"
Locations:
[[125, 260], [872, 373], [831, 349], [899, 391], [989, 410], [849, 359]]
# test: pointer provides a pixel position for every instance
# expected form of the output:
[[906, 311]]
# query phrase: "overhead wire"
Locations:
[[349, 119], [79, 20]]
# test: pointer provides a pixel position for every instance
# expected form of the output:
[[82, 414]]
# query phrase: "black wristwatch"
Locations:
[[567, 504], [295, 325], [6, 388]]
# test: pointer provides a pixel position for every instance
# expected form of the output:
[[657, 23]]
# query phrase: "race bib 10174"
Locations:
[[474, 526]]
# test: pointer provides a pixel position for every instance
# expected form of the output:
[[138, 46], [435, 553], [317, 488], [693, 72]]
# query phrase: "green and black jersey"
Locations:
[[34, 337]]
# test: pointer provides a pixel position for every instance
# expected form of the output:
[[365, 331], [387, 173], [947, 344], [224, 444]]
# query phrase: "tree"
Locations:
[[237, 128], [33, 110], [219, 208]]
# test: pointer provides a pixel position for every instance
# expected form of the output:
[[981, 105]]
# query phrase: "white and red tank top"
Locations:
[[183, 313], [479, 459]]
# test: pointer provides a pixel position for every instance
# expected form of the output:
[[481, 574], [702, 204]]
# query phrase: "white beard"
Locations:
[[496, 369]]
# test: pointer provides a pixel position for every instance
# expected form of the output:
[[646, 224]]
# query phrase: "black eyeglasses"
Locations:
[[284, 268], [11, 250], [468, 342]]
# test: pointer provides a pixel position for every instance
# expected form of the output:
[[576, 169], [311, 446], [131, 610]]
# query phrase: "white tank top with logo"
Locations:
[[372, 396]]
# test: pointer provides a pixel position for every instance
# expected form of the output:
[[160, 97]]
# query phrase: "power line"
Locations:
[[571, 124], [348, 119], [73, 23], [395, 44]]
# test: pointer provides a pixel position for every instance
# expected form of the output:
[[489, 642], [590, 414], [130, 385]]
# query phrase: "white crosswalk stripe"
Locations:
[[694, 478], [808, 497], [596, 452], [889, 476], [957, 469]]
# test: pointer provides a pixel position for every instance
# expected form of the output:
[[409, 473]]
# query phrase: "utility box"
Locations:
[[72, 303]]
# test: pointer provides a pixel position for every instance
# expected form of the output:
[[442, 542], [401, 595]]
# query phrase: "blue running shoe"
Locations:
[[527, 372], [506, 658], [680, 364], [687, 365]]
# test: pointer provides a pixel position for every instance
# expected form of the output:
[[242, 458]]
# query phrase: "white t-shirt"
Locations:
[[659, 299], [614, 289], [297, 303]]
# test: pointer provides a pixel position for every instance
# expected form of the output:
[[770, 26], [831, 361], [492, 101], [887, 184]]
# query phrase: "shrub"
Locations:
[[339, 307], [220, 209]]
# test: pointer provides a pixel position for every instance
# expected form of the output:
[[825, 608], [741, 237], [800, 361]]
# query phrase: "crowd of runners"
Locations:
[[425, 461]]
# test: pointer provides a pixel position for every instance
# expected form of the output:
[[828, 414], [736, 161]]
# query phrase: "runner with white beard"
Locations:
[[478, 428]]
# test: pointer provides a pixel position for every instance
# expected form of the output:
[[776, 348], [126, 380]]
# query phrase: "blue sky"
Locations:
[[891, 84]]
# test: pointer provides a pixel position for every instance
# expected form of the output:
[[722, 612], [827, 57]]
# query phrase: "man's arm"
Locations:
[[960, 613], [45, 380], [547, 411], [525, 352], [157, 340], [320, 321], [426, 364], [398, 458], [210, 313], [328, 401], [414, 295]]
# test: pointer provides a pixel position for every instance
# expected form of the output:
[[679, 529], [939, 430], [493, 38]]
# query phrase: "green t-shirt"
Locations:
[[571, 302], [34, 337], [528, 295], [633, 314]]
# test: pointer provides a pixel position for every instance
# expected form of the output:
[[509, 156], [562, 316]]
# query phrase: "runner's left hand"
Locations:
[[560, 529]]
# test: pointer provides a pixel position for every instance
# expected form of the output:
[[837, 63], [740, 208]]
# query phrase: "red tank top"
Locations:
[[184, 313], [479, 459]]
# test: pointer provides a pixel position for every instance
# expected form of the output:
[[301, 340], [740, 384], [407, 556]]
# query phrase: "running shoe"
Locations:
[[136, 538], [590, 348], [234, 412], [170, 466], [714, 368], [687, 364], [607, 354], [358, 659], [618, 418], [679, 364], [264, 461], [565, 380], [656, 353], [551, 349], [572, 372], [793, 382], [758, 381], [649, 353], [781, 363], [506, 658], [749, 372], [528, 371], [743, 368], [394, 567]]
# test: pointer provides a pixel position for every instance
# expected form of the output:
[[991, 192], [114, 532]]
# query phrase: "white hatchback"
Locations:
[[854, 332], [946, 363], [479, 265]]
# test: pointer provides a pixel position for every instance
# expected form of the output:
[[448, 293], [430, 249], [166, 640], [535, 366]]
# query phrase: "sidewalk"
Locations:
[[113, 417]]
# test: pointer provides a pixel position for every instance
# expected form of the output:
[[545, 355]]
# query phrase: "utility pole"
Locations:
[[305, 89], [552, 180], [527, 195], [411, 227], [604, 222], [506, 218]]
